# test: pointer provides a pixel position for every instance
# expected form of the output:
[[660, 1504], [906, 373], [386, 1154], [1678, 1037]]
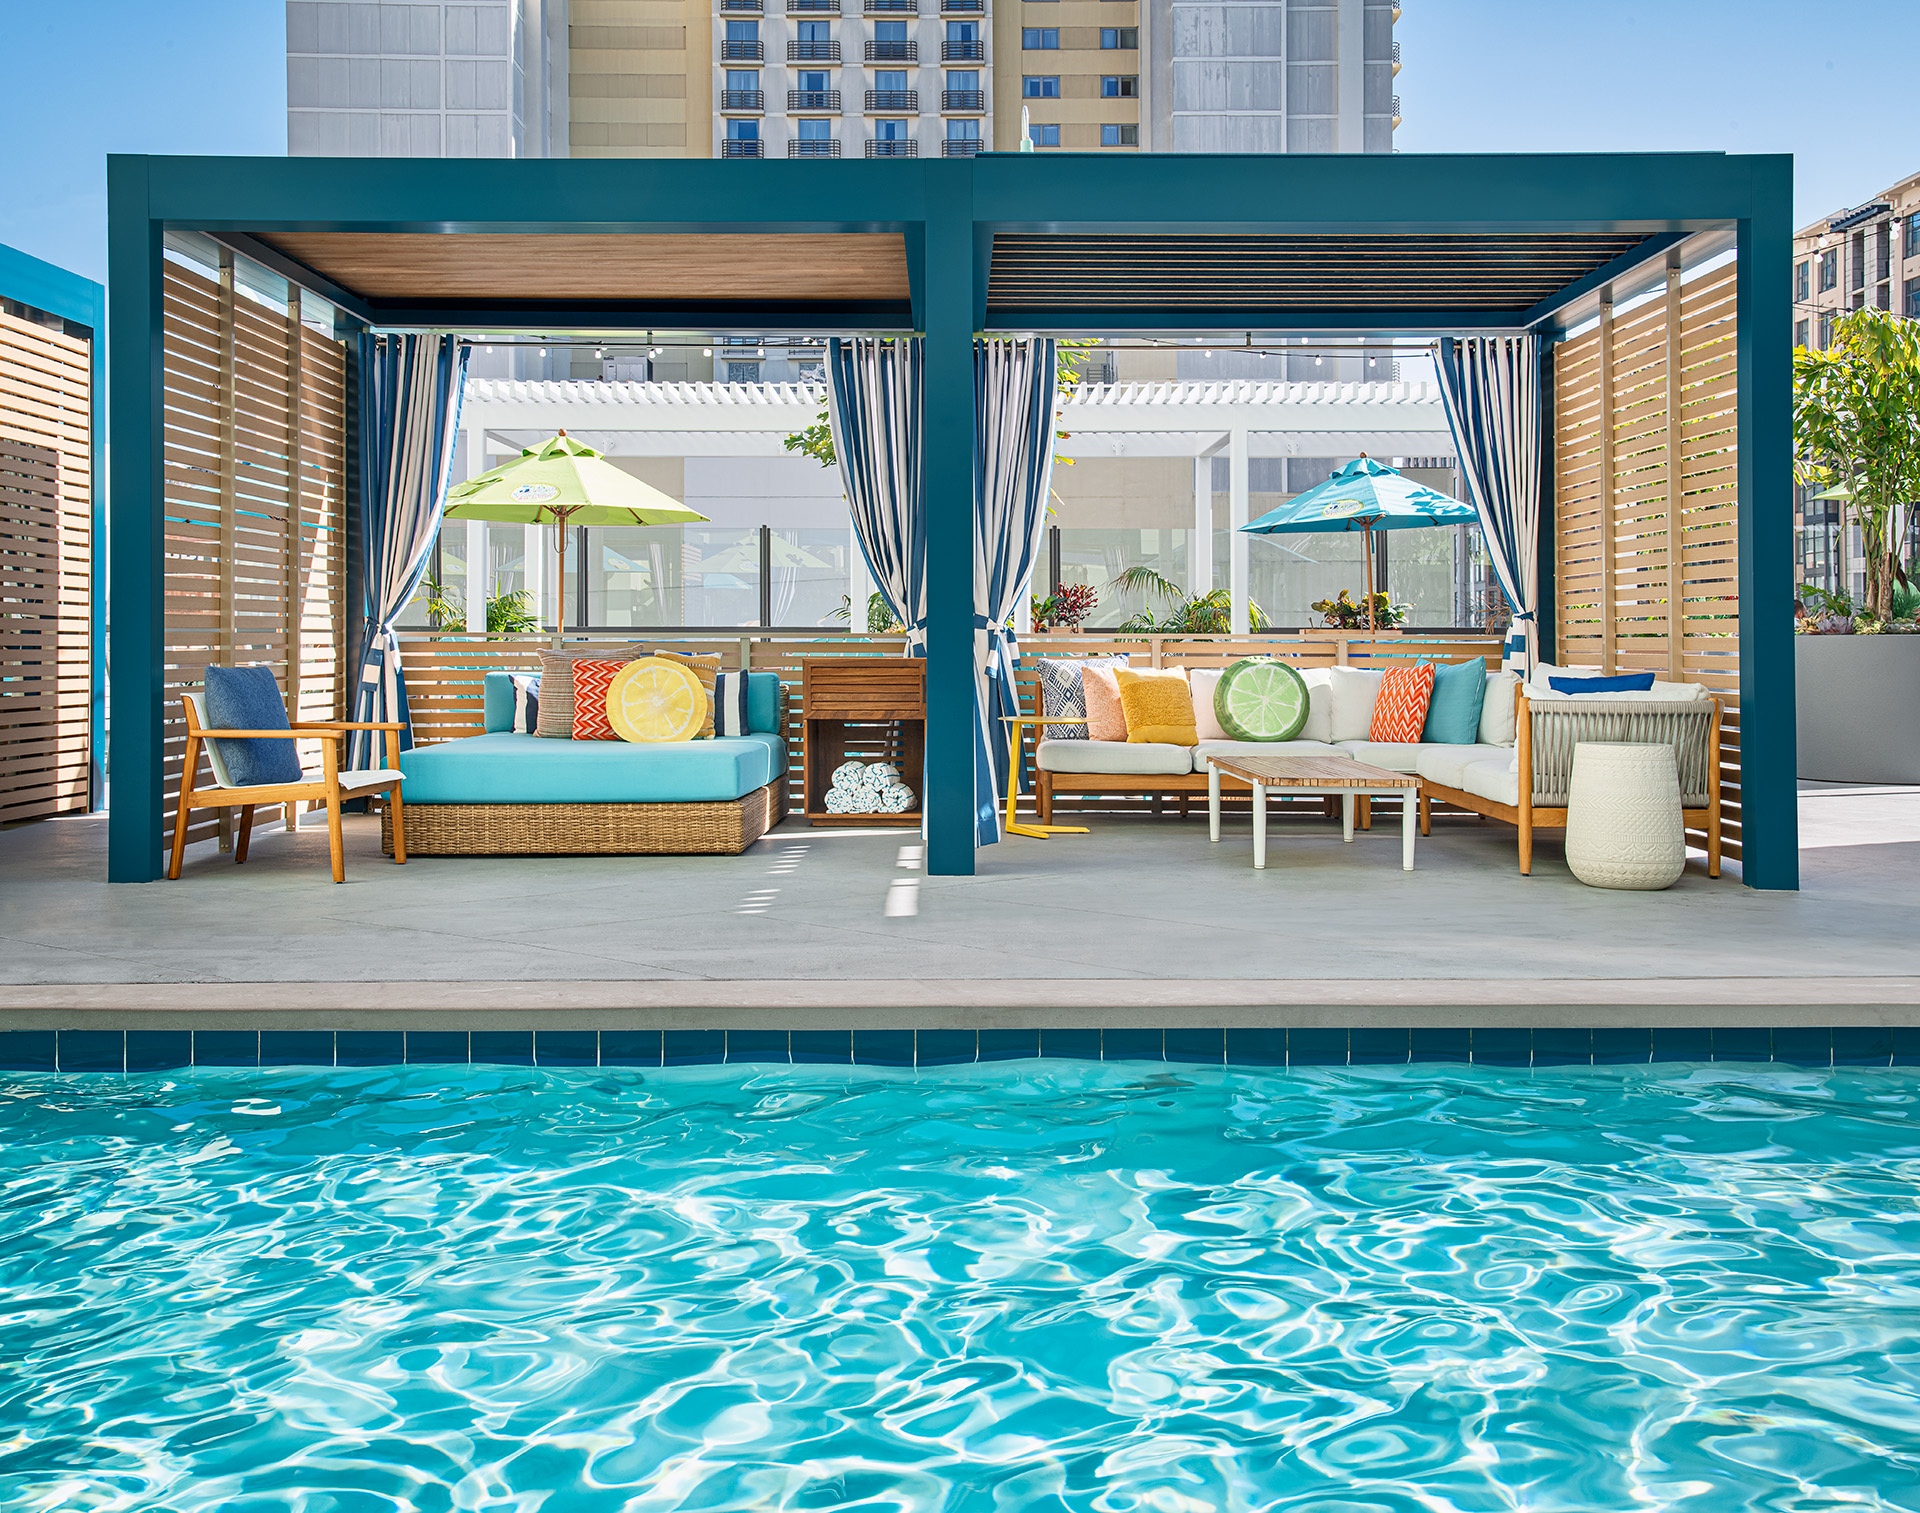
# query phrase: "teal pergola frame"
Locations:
[[948, 211], [78, 301]]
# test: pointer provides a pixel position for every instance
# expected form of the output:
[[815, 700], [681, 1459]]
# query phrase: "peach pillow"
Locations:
[[1105, 720]]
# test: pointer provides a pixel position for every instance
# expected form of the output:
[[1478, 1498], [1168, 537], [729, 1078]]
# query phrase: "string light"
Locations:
[[706, 351]]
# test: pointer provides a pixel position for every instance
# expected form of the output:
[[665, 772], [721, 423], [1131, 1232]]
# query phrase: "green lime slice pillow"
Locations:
[[1260, 700]]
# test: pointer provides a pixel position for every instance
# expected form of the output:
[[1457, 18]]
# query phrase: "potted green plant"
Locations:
[[1856, 428], [1347, 613]]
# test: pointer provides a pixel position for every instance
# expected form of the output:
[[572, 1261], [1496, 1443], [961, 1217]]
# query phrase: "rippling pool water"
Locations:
[[1027, 1286]]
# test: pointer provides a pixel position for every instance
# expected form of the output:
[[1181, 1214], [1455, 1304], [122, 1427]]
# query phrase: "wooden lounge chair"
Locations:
[[329, 786]]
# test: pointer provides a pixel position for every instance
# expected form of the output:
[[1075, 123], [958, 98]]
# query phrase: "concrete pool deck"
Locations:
[[1141, 922]]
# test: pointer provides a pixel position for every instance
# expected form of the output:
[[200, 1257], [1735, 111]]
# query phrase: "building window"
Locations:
[[1040, 87], [743, 372], [742, 81], [889, 31], [966, 31], [963, 131], [812, 31], [1802, 280], [743, 131], [1120, 87], [1912, 247], [1044, 136], [1040, 38], [962, 78], [1826, 329], [1913, 313], [1119, 136], [892, 131], [1830, 269], [890, 81], [1125, 38], [743, 31], [1799, 333]]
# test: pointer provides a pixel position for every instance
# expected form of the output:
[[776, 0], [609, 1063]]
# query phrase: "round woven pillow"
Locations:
[[1259, 699]]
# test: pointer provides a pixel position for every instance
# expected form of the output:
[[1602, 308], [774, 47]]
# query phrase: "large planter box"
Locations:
[[1858, 699]]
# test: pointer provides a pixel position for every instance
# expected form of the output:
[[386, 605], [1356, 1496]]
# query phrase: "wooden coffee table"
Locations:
[[1308, 773]]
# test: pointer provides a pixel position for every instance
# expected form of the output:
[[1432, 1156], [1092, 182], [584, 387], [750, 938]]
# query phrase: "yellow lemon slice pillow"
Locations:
[[654, 700]]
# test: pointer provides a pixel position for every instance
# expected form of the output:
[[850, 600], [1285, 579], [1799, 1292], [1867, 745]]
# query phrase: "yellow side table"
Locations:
[[1014, 827]]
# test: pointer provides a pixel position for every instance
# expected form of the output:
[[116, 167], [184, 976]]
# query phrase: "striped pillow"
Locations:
[[1400, 713], [591, 681], [730, 704]]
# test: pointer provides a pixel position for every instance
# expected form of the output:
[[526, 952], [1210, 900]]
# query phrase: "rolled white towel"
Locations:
[[845, 774], [896, 800], [884, 773], [837, 801]]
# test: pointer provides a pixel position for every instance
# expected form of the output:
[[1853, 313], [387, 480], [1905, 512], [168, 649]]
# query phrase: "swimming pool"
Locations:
[[1030, 1285]]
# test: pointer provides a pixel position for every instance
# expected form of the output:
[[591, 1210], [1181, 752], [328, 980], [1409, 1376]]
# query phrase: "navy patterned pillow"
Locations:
[[1062, 692]]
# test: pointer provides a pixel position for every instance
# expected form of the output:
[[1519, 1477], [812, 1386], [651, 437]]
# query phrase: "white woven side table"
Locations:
[[1624, 828]]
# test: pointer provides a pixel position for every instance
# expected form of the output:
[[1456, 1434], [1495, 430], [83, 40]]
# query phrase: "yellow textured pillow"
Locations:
[[1158, 706]]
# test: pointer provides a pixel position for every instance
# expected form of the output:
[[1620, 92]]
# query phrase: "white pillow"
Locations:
[[1660, 693], [1497, 725], [1203, 681], [1355, 690], [1544, 671], [1319, 726]]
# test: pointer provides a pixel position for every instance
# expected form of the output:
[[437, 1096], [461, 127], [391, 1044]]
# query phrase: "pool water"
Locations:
[[1035, 1285]]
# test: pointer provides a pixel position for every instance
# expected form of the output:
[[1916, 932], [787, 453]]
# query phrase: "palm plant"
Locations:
[[1209, 614]]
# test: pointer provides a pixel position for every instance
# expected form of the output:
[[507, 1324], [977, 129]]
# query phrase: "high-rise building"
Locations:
[[837, 78]]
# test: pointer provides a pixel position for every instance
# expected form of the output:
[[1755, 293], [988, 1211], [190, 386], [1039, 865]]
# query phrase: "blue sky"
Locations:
[[1826, 83]]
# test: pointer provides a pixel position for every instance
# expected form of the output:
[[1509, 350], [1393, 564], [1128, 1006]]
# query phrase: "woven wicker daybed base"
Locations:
[[724, 829]]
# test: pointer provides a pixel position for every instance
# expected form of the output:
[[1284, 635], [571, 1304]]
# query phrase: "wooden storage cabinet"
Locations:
[[863, 709]]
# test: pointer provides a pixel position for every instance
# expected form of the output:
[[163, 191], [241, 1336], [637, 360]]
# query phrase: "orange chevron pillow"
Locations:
[[591, 680], [1400, 713]]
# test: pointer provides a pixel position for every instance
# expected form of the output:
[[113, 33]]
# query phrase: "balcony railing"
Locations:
[[893, 149], [963, 7], [963, 99], [906, 100], [813, 52], [893, 7], [814, 99], [731, 148], [813, 148], [813, 7], [743, 99], [963, 52], [743, 52], [893, 52], [960, 147], [751, 7]]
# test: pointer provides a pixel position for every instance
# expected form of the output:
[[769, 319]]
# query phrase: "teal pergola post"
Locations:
[[947, 299], [137, 551], [1763, 314]]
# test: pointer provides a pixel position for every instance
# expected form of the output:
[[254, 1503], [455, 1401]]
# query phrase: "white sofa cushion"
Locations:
[[1201, 683], [1660, 693], [1395, 756], [1232, 749], [1493, 778], [1497, 722], [1319, 726], [1133, 758], [1355, 690], [1445, 764]]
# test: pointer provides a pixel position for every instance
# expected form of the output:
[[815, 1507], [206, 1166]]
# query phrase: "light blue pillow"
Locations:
[[248, 698], [1453, 714]]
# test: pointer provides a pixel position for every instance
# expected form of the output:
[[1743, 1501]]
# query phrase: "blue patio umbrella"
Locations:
[[1368, 496]]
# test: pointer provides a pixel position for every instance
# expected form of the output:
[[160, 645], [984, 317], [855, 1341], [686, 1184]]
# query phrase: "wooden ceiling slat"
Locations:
[[1449, 271], [518, 268]]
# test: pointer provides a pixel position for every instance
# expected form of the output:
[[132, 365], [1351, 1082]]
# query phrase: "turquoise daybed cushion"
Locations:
[[502, 768]]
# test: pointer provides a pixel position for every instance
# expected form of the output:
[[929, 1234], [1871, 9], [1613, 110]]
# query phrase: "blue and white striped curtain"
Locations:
[[412, 412], [875, 392], [1013, 383], [1491, 387]]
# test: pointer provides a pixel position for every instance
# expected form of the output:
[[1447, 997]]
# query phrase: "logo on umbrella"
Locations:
[[1340, 507], [534, 493]]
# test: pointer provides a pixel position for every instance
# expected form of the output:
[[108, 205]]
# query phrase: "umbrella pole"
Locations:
[[560, 577], [1371, 626]]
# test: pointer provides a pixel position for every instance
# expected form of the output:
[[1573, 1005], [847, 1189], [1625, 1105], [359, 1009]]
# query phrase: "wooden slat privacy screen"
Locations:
[[255, 442], [46, 569], [444, 673], [1646, 503]]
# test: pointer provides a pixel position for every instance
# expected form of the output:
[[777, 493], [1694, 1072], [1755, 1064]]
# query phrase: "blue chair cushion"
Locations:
[[1453, 715], [503, 768], [1625, 682], [248, 698]]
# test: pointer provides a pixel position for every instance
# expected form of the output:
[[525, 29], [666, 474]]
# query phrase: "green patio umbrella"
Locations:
[[563, 482], [1364, 496]]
